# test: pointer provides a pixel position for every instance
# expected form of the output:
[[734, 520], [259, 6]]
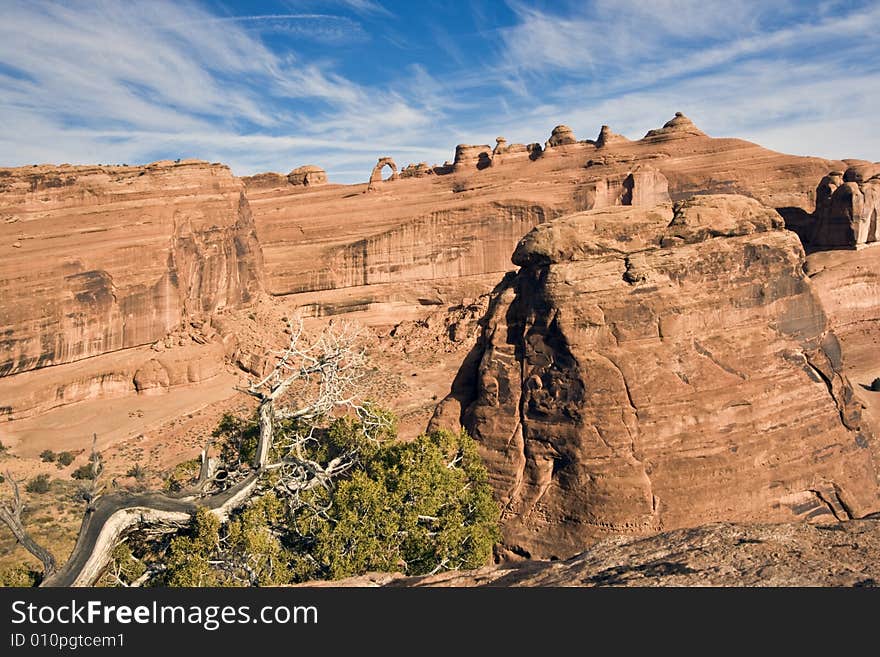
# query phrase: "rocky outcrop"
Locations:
[[268, 180], [644, 185], [376, 174], [116, 257], [608, 138], [655, 368], [472, 157], [724, 554], [679, 127], [416, 170], [561, 135], [307, 176], [847, 207]]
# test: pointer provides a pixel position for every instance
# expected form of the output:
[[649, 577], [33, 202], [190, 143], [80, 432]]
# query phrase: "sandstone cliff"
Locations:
[[448, 226], [661, 367], [99, 259], [847, 207]]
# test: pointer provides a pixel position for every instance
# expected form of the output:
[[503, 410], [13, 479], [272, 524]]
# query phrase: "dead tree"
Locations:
[[11, 515], [308, 382]]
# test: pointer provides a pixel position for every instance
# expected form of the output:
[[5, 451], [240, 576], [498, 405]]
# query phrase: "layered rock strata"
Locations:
[[654, 368], [109, 258]]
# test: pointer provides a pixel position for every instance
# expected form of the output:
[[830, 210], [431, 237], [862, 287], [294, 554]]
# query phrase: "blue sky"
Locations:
[[273, 85]]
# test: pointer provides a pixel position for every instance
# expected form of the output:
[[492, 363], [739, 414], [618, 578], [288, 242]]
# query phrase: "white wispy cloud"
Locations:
[[130, 82]]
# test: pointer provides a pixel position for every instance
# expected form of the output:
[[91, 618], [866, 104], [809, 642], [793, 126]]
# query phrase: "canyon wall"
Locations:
[[654, 368], [98, 259], [446, 225]]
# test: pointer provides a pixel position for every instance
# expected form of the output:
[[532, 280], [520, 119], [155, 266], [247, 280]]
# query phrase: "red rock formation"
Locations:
[[678, 127], [608, 138], [561, 135], [376, 174], [459, 227], [116, 257], [269, 180], [307, 176], [662, 367], [847, 207], [469, 157]]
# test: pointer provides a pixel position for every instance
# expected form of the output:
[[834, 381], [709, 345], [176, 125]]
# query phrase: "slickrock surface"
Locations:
[[116, 257], [649, 369], [724, 554]]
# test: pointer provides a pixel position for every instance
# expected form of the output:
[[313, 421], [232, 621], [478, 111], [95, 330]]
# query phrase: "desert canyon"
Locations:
[[643, 336]]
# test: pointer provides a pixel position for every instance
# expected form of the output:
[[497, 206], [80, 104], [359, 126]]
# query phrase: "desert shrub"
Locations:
[[417, 507], [182, 474], [65, 459], [188, 559], [91, 470], [137, 471], [39, 484], [21, 575], [3, 447], [48, 456], [124, 566], [237, 439]]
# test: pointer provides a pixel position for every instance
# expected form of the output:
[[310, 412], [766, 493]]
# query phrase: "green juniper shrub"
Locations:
[[92, 469], [182, 474], [48, 456], [65, 459], [39, 484], [417, 507]]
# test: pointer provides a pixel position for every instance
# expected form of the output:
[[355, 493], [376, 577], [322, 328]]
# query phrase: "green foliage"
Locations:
[[3, 447], [188, 555], [65, 459], [182, 474], [256, 554], [48, 456], [20, 575], [125, 565], [39, 484], [418, 506], [91, 470], [237, 439]]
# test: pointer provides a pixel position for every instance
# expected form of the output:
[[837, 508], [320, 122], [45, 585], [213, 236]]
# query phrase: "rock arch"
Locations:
[[383, 162]]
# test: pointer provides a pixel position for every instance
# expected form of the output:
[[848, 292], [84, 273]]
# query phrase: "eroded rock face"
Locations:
[[644, 185], [654, 368], [561, 135], [469, 156], [115, 257], [445, 229], [608, 138], [307, 176], [847, 207], [376, 174], [678, 127]]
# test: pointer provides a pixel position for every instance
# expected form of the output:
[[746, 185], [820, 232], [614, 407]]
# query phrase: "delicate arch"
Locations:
[[383, 162]]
